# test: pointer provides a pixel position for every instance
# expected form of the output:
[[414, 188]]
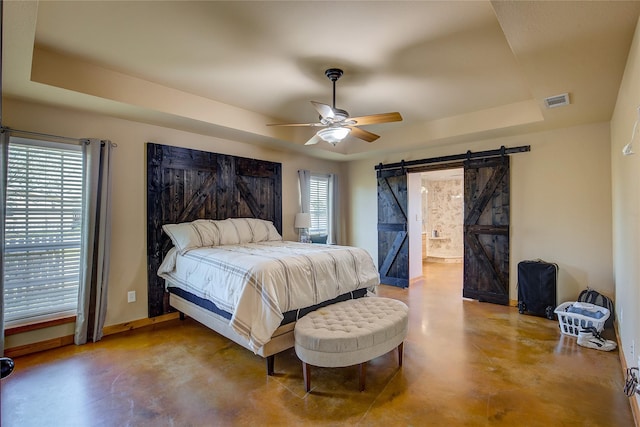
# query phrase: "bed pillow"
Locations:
[[230, 233], [190, 235], [203, 233], [253, 230], [271, 234]]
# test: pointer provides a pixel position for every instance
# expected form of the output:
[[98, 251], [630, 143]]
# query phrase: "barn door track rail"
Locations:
[[502, 151]]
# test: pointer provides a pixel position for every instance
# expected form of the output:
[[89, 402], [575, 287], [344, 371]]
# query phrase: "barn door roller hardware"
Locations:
[[502, 151]]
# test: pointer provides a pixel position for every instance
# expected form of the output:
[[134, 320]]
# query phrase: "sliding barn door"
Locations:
[[486, 230], [393, 241]]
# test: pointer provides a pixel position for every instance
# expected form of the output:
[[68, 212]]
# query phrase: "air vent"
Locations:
[[557, 101]]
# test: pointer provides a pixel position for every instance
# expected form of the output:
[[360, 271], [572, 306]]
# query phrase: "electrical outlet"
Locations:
[[131, 297], [621, 316], [633, 348]]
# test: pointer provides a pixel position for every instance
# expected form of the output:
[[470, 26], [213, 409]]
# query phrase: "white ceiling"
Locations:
[[456, 71]]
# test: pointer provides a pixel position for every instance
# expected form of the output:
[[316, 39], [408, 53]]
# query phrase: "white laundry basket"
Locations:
[[572, 323]]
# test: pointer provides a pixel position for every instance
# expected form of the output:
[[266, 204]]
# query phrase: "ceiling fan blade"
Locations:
[[314, 140], [296, 124], [325, 110], [363, 134], [377, 118]]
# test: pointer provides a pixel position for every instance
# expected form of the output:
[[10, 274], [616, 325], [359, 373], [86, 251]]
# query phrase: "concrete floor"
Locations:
[[465, 363]]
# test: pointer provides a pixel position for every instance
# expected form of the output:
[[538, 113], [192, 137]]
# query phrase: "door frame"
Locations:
[[415, 266]]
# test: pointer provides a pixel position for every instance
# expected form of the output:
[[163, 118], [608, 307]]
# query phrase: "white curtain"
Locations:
[[4, 154], [304, 178], [94, 277], [334, 235]]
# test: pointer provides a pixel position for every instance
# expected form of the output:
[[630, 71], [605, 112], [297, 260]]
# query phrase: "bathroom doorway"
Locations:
[[442, 201], [436, 218]]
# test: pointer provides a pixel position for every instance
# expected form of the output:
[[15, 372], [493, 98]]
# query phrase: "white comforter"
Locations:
[[257, 282]]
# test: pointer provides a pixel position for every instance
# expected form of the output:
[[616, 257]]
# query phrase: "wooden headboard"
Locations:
[[184, 185]]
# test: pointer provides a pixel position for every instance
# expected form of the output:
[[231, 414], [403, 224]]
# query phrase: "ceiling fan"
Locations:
[[336, 122]]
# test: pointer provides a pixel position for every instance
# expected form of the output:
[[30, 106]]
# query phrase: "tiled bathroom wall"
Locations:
[[442, 219]]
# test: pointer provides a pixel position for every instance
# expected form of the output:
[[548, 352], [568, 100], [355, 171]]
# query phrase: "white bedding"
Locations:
[[257, 282]]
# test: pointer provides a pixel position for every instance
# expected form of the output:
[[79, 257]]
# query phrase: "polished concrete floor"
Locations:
[[465, 363]]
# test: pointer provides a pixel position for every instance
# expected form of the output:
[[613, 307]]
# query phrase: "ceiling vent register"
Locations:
[[557, 100]]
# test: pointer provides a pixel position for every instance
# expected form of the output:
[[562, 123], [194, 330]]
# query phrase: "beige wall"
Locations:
[[626, 207], [560, 203], [128, 270]]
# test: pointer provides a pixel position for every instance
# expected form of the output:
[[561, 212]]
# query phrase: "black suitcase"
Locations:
[[537, 283]]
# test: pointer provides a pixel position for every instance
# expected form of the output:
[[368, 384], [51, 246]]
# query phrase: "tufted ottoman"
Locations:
[[350, 333]]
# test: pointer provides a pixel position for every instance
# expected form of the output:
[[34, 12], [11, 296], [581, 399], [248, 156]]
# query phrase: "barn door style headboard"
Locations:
[[184, 185]]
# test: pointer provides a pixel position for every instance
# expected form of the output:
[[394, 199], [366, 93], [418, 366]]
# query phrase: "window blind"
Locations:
[[42, 231], [319, 204]]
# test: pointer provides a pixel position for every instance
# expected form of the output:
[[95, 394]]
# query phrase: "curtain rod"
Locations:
[[47, 135], [466, 156]]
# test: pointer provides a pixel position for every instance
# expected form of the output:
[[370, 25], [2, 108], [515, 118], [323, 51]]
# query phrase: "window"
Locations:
[[42, 231], [319, 204]]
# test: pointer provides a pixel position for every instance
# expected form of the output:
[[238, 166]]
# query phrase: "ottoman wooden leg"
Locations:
[[400, 351], [270, 360], [363, 374], [306, 374]]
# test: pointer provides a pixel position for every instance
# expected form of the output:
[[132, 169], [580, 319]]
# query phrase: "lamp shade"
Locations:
[[333, 135], [303, 220]]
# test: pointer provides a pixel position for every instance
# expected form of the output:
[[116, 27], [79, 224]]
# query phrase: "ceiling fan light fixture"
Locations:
[[333, 135], [338, 125]]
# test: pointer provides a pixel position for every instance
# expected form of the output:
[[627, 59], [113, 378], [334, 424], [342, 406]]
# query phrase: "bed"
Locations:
[[238, 277]]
